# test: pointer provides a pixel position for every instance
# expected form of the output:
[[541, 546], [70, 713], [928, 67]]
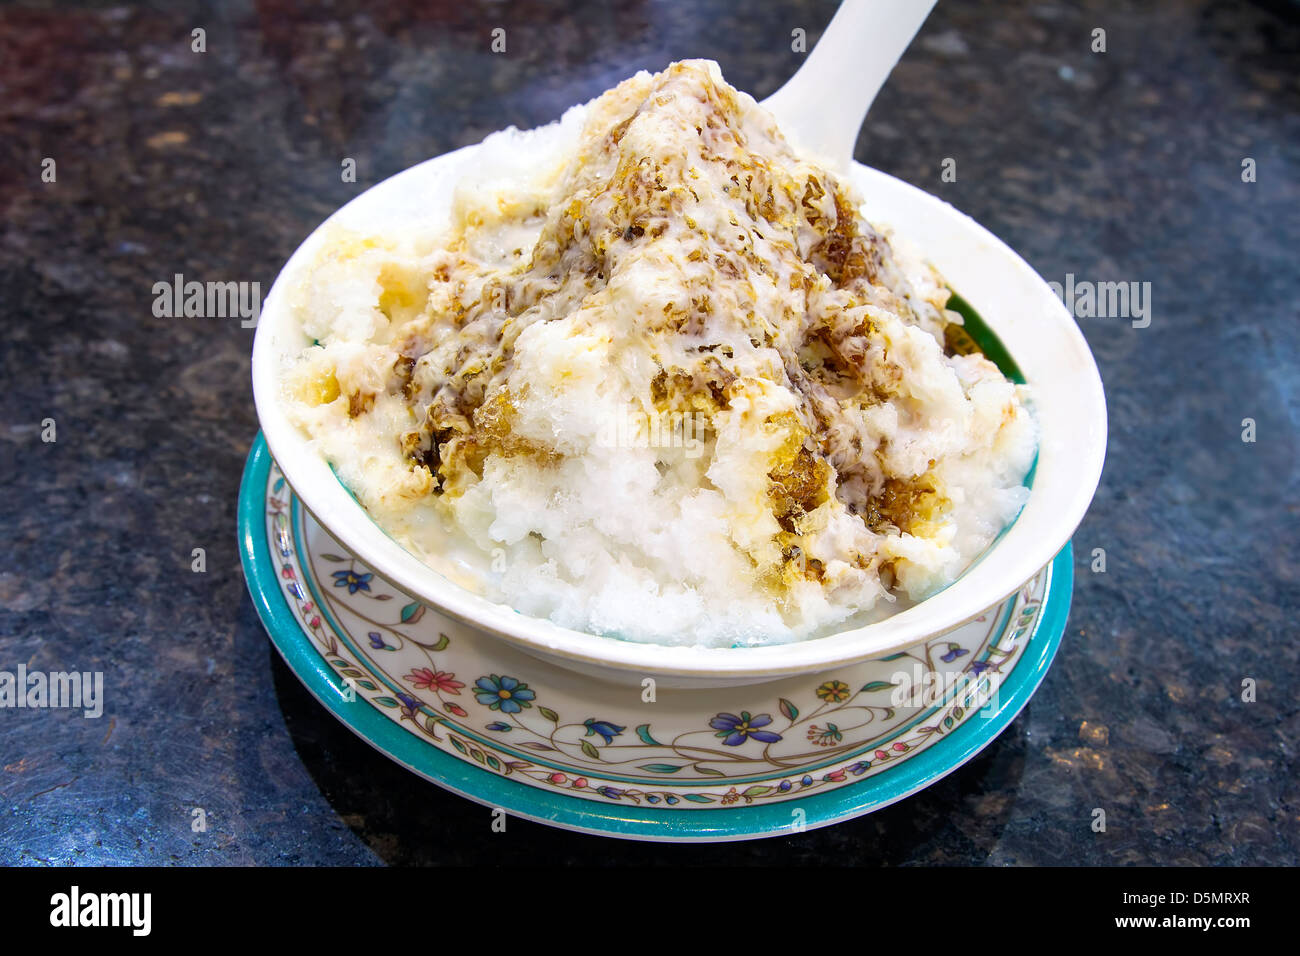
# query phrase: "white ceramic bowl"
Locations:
[[1014, 302]]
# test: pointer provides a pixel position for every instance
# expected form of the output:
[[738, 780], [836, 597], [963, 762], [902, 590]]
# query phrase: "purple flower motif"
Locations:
[[979, 667], [376, 641], [410, 706], [612, 792], [499, 726], [352, 581], [603, 727], [954, 651], [736, 730]]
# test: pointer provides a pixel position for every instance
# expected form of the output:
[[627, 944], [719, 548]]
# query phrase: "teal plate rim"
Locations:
[[635, 823]]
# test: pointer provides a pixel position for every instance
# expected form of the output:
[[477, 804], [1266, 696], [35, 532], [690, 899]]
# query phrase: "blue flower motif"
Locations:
[[736, 730], [603, 727], [954, 652], [352, 581], [503, 693], [500, 726], [612, 792], [979, 667]]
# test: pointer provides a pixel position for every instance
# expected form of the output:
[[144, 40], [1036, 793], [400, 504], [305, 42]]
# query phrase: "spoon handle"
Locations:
[[823, 105]]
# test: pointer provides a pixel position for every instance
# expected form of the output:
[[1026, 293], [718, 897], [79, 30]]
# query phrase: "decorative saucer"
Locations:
[[640, 761]]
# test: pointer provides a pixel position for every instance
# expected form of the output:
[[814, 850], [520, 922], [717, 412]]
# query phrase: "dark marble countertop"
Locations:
[[1117, 166]]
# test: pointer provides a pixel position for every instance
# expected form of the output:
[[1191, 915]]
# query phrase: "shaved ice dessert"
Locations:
[[655, 376]]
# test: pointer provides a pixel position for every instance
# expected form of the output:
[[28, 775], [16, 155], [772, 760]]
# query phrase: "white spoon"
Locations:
[[821, 107]]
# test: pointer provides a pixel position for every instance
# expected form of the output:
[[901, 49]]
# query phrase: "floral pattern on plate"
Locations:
[[512, 714]]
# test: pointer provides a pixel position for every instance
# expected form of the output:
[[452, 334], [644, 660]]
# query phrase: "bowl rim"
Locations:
[[1074, 459]]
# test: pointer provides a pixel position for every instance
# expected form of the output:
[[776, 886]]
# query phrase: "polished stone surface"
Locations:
[[1117, 166]]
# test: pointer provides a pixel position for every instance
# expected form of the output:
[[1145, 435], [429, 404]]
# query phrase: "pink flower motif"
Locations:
[[580, 783], [286, 572], [881, 755], [900, 747], [315, 623], [440, 680], [456, 709], [558, 778]]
